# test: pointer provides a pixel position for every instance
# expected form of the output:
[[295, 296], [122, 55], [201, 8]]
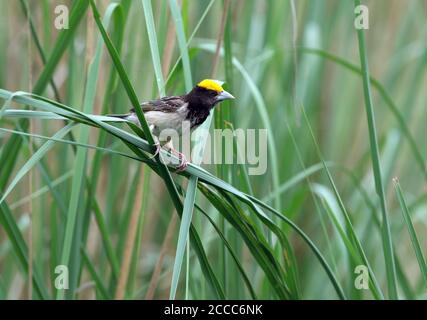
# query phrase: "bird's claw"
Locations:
[[158, 147], [183, 164]]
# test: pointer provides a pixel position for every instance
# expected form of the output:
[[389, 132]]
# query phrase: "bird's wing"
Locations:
[[166, 104]]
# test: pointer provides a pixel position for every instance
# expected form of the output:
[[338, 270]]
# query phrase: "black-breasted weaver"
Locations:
[[170, 112]]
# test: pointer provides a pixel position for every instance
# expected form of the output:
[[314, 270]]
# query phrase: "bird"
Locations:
[[171, 111]]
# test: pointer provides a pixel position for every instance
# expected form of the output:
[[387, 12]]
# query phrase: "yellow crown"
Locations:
[[211, 85]]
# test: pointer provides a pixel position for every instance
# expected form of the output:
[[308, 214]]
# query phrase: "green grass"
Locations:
[[344, 115]]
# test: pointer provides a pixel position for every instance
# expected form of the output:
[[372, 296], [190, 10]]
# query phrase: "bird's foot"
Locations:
[[182, 166], [183, 163], [158, 147]]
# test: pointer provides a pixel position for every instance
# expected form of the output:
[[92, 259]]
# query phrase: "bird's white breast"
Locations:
[[164, 120]]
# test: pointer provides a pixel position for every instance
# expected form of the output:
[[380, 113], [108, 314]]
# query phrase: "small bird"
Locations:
[[170, 112]]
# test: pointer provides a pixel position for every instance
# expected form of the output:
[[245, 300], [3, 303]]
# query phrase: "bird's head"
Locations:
[[209, 92]]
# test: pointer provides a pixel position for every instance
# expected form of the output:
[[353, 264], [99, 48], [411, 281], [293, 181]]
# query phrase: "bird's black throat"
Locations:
[[200, 102]]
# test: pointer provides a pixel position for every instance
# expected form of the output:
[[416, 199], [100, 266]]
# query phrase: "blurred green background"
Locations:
[[292, 66]]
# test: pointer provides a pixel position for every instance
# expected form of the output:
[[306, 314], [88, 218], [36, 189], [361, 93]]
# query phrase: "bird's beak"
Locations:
[[224, 95]]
